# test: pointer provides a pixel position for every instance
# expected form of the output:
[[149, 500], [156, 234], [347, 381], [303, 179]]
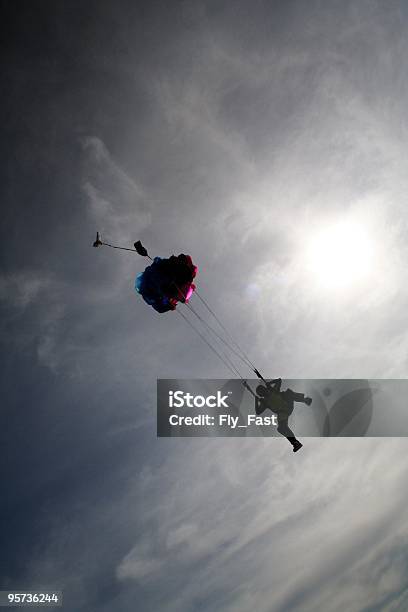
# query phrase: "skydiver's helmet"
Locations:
[[261, 390]]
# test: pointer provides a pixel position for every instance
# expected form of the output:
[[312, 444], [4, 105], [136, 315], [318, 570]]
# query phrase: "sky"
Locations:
[[266, 139]]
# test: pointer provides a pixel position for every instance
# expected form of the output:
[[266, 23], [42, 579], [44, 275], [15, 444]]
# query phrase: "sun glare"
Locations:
[[340, 255]]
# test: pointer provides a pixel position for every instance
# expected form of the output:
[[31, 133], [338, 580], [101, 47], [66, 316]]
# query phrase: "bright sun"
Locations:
[[340, 255]]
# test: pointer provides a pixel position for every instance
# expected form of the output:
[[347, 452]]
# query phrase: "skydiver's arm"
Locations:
[[298, 397], [259, 405], [276, 383]]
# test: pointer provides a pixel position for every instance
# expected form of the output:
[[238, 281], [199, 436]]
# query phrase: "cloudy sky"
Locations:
[[267, 139]]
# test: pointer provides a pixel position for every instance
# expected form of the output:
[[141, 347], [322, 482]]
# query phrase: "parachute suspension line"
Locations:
[[210, 310], [221, 339], [233, 366], [244, 382], [224, 358], [226, 361], [241, 355], [112, 246], [211, 329]]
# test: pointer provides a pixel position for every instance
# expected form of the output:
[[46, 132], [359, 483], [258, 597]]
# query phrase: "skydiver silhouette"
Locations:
[[282, 404]]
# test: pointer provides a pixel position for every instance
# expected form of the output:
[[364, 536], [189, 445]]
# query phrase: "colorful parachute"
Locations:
[[167, 281]]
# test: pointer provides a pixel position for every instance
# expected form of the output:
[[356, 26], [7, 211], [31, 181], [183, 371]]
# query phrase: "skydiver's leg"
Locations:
[[284, 429]]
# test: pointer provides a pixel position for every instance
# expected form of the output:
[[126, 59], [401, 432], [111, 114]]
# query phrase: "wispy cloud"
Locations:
[[20, 289], [117, 202], [292, 536]]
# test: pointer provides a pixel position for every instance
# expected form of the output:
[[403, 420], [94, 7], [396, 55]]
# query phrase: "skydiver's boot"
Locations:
[[296, 444]]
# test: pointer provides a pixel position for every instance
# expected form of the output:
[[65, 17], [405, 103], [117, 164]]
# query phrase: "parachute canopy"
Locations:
[[167, 281]]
